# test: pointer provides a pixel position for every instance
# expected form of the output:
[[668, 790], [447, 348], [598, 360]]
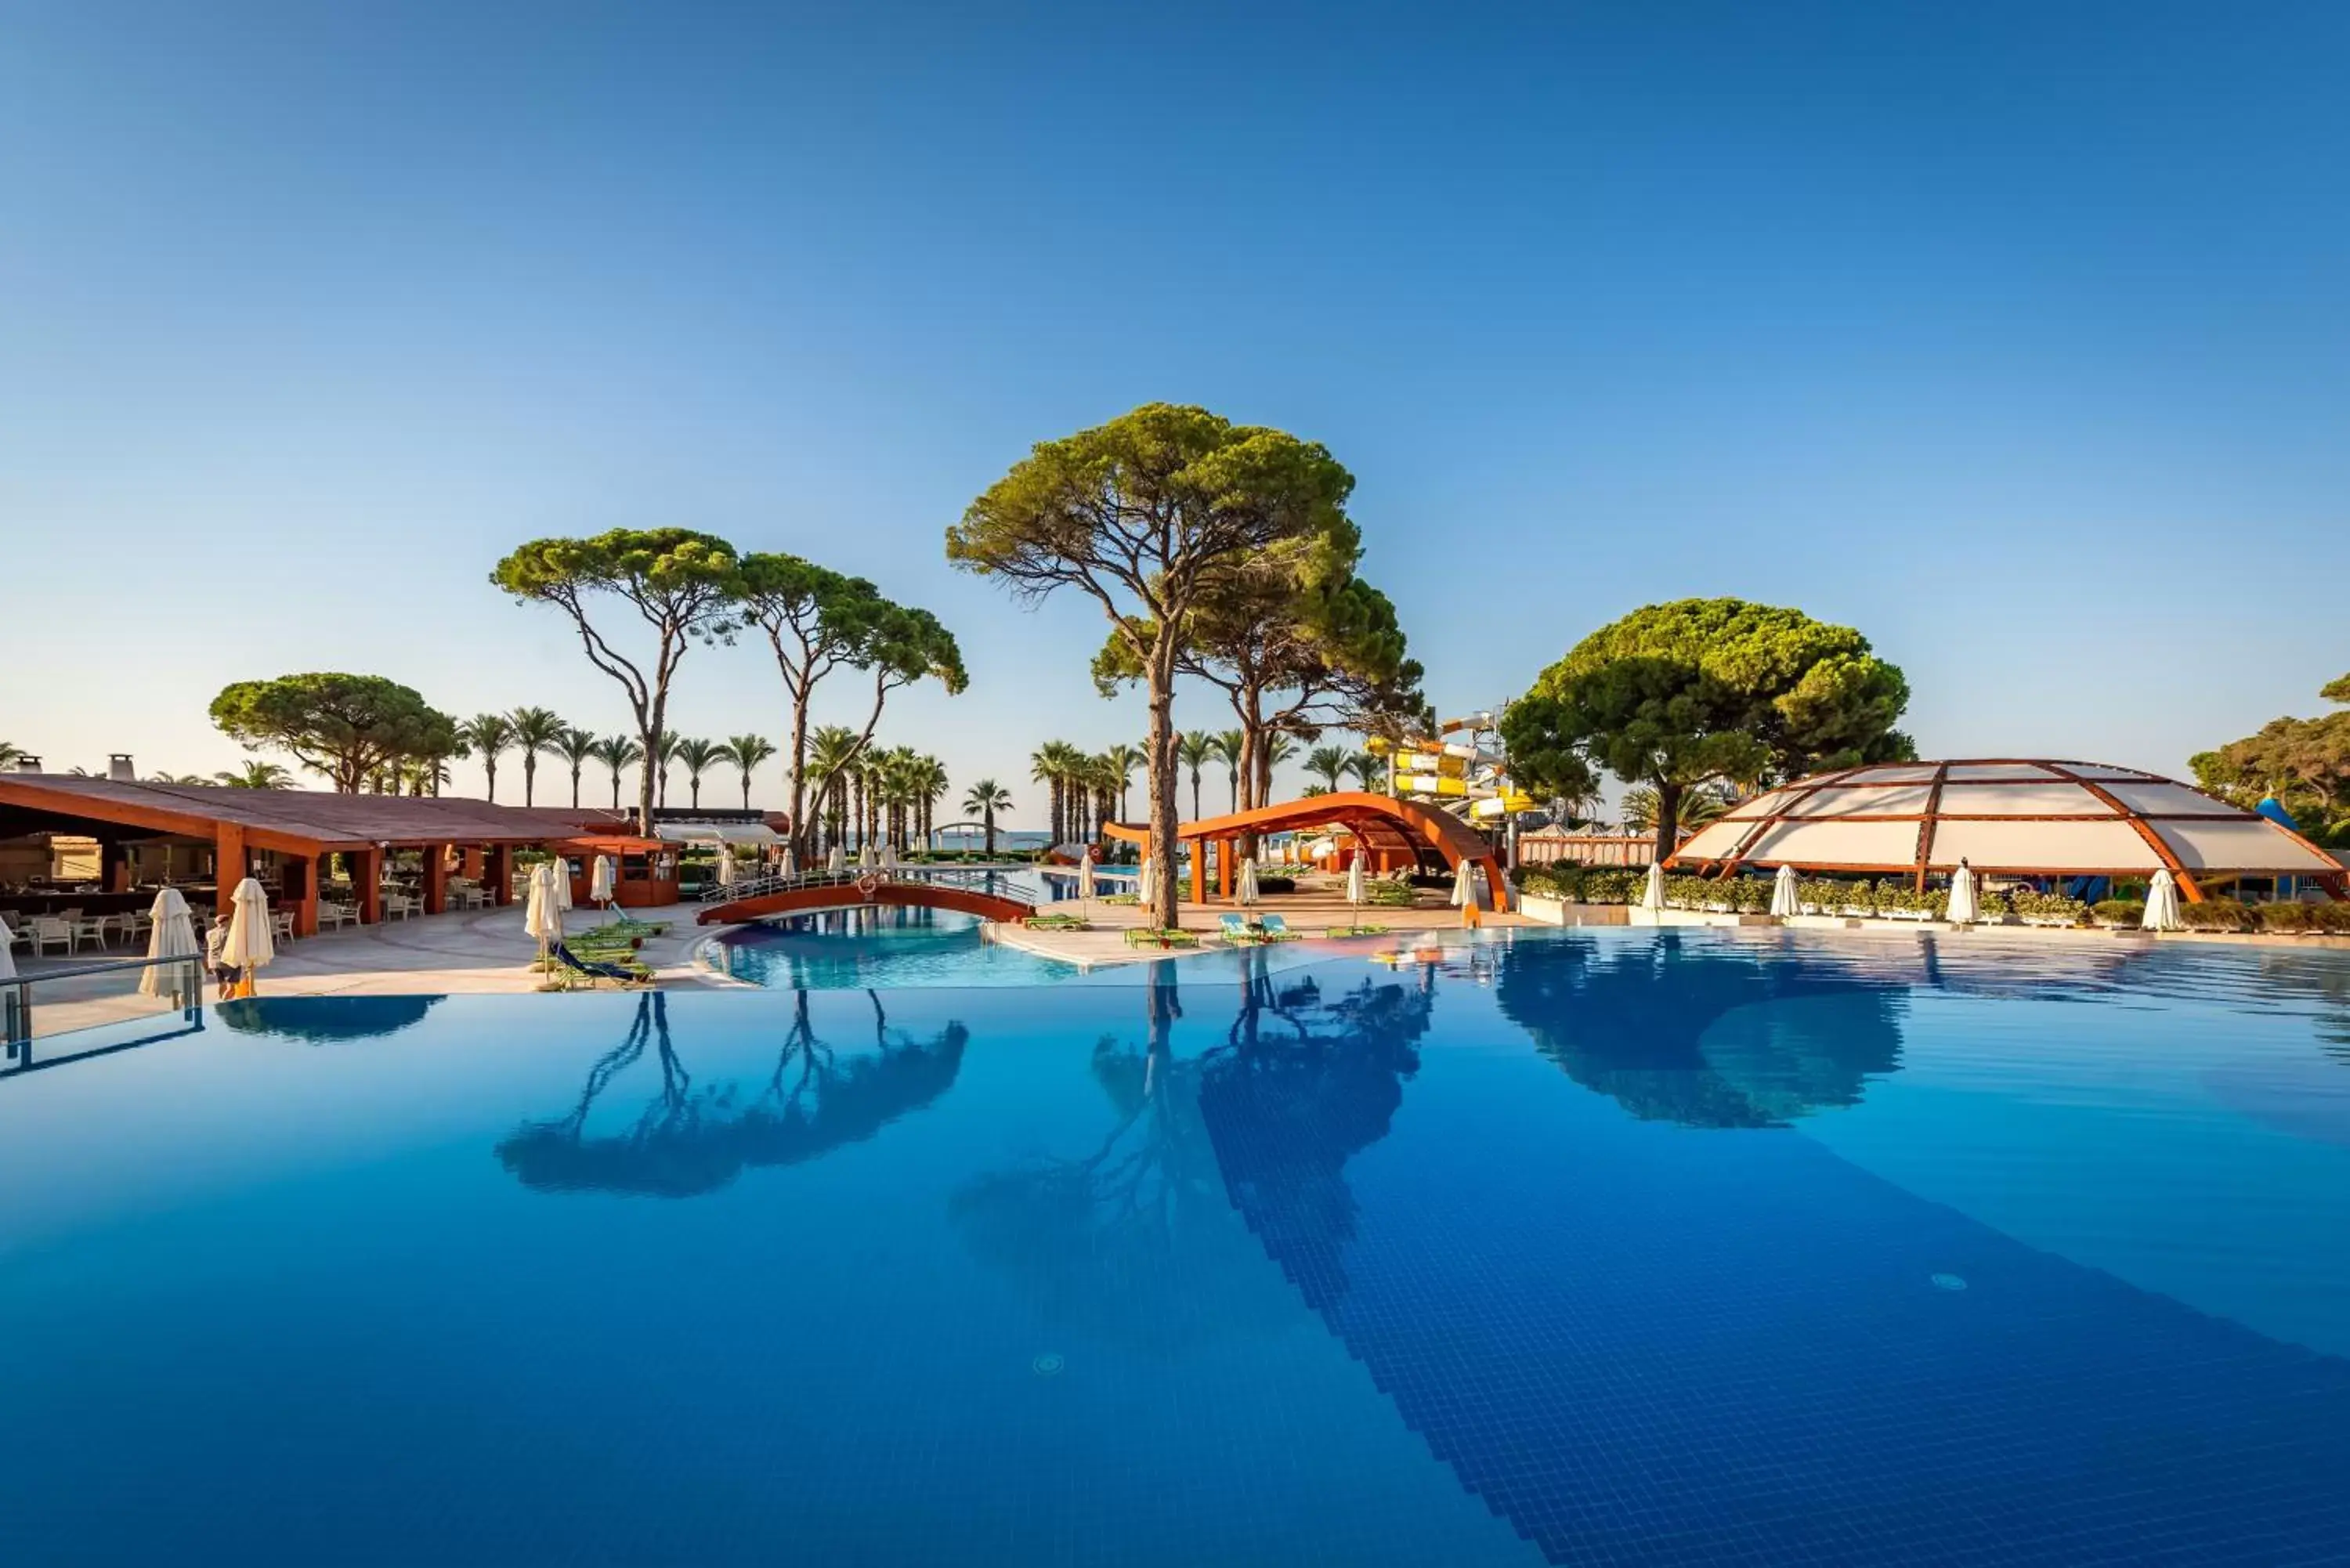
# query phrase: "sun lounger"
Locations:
[[1273, 929], [1147, 936], [1235, 932], [593, 968]]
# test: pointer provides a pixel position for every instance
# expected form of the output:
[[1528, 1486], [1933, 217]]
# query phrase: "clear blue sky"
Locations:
[[2017, 335]]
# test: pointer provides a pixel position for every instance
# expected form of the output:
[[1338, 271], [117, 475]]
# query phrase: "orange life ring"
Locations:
[[868, 884]]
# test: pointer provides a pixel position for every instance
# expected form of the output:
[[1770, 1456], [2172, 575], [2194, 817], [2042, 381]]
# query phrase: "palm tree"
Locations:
[[698, 755], [1329, 763], [664, 753], [618, 752], [1230, 744], [1051, 765], [746, 753], [1195, 750], [536, 729], [488, 733], [11, 755], [1369, 768], [984, 799], [929, 785], [831, 747], [1123, 760], [1699, 806], [165, 777], [577, 748], [1277, 747], [256, 776]]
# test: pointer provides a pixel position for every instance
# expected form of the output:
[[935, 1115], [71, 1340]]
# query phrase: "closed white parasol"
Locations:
[[1964, 910], [1146, 884], [791, 861], [1653, 896], [889, 857], [866, 857], [173, 937], [1783, 900], [1355, 880], [543, 914], [1464, 885], [1086, 874], [599, 884], [1247, 893], [249, 946], [2162, 905], [8, 958], [837, 860]]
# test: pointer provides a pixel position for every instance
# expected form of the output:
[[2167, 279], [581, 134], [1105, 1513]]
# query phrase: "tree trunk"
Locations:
[[529, 779], [574, 789], [1668, 820], [1161, 776]]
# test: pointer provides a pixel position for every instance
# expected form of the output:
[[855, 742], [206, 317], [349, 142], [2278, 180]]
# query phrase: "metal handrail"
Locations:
[[16, 991]]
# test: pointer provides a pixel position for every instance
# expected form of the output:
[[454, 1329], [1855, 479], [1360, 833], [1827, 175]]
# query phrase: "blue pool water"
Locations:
[[1594, 1246]]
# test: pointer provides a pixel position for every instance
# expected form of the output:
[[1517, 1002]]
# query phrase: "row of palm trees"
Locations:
[[1091, 788], [872, 795]]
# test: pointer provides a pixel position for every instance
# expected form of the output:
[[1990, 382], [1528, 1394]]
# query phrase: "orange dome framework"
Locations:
[[2010, 817]]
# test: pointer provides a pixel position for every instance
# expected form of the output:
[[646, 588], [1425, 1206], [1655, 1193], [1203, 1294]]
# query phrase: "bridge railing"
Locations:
[[846, 876]]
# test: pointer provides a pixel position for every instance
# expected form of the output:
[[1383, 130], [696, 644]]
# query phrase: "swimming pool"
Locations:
[[1595, 1246]]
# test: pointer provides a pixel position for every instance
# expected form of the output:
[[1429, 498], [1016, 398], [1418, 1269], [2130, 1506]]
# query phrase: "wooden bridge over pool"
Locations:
[[853, 888]]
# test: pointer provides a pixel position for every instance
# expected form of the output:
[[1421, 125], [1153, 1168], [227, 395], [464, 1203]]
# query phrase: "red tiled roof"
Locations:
[[317, 817]]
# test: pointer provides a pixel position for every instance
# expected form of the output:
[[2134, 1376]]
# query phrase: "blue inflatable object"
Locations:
[[2277, 814]]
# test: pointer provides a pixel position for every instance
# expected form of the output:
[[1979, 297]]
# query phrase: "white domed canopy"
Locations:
[[2019, 818]]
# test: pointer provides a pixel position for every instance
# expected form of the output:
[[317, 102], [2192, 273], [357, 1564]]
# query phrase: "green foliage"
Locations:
[[2216, 915], [2047, 908], [346, 727], [2126, 912], [1146, 515], [1676, 695], [677, 582], [2303, 763]]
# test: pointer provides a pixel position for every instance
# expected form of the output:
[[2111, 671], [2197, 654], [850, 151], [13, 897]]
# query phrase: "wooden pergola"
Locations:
[[2019, 816], [302, 828]]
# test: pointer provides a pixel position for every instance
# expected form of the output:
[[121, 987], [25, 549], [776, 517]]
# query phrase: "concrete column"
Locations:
[[228, 864], [367, 883], [500, 873], [1199, 871], [472, 863], [114, 862], [436, 877], [1224, 867], [300, 891]]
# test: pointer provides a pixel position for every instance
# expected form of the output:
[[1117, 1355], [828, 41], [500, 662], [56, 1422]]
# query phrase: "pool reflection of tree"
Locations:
[[325, 1020], [1134, 1239], [687, 1141], [1657, 1026]]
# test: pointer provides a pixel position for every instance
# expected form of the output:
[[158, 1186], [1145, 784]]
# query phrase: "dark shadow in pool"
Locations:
[[325, 1020], [686, 1142], [1643, 1024]]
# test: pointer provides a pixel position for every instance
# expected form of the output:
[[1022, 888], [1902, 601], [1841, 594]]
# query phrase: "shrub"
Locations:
[[2053, 907], [2216, 915], [1750, 895], [2118, 912], [1991, 906], [1541, 881], [2287, 916], [2332, 918]]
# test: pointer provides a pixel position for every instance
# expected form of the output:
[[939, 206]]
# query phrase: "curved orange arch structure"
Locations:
[[845, 896], [1395, 831]]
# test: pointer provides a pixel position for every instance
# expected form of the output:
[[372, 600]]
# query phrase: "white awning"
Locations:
[[739, 834]]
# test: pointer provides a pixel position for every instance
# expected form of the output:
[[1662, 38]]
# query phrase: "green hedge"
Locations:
[[2217, 915], [2130, 912]]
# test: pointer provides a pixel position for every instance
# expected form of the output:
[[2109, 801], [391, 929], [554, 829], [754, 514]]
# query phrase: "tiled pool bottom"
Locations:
[[1610, 1248]]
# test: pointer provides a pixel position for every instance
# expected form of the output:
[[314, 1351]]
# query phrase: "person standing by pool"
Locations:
[[215, 944]]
